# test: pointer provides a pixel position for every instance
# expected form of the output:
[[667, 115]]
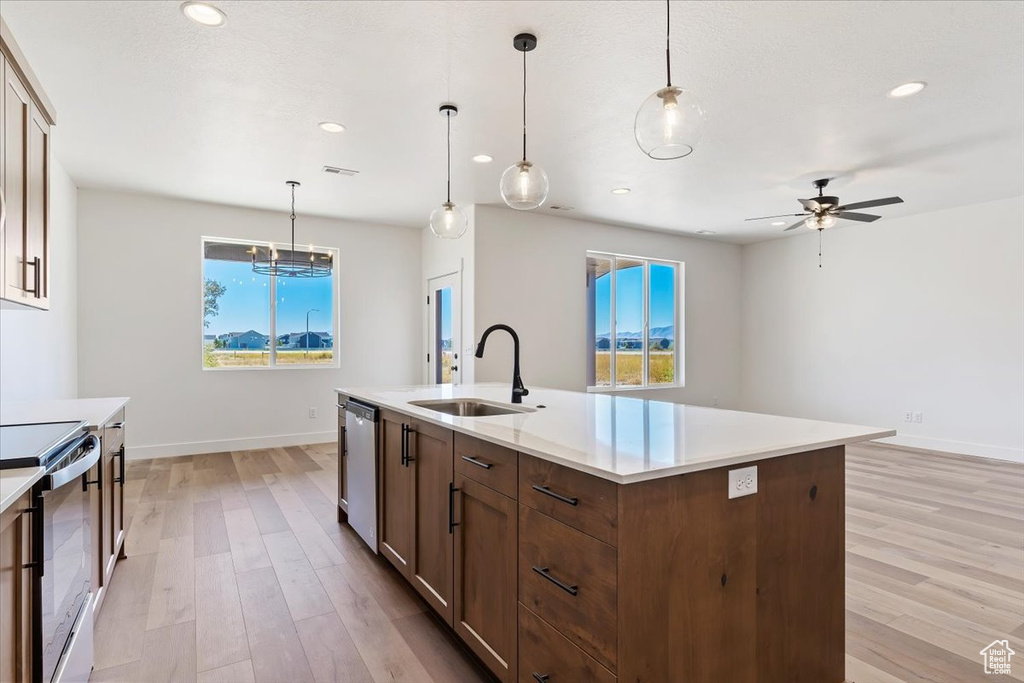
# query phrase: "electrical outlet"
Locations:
[[908, 416], [918, 416], [743, 482], [312, 413]]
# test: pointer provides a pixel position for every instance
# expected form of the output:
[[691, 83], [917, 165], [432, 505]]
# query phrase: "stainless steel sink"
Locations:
[[471, 407]]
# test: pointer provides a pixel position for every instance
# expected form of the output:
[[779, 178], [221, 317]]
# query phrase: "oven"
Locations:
[[63, 550]]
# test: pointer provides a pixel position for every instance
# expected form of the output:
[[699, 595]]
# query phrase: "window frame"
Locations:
[[335, 363], [679, 356]]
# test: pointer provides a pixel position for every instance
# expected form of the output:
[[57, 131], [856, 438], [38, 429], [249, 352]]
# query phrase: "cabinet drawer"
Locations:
[[545, 655], [492, 465], [569, 580], [580, 500], [113, 433]]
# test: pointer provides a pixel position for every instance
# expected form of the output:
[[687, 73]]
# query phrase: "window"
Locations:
[[633, 317], [256, 321]]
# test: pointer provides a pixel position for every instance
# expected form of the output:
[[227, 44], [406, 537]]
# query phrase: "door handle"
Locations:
[[36, 264], [451, 507]]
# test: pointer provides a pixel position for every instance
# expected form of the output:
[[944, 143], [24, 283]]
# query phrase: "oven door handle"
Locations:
[[79, 466]]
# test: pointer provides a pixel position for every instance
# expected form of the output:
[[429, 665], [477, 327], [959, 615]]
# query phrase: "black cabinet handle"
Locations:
[[548, 492], [479, 463], [116, 425], [119, 479], [451, 507], [570, 589], [407, 442], [37, 267], [541, 678], [37, 563], [405, 428]]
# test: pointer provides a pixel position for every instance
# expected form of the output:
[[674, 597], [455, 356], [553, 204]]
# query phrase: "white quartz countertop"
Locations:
[[620, 438], [13, 483], [95, 411]]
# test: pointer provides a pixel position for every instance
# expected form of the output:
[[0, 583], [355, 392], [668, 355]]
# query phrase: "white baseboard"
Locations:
[[962, 447], [168, 450]]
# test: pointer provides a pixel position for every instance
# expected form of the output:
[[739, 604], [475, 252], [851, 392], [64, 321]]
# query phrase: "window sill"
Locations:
[[264, 368], [650, 387]]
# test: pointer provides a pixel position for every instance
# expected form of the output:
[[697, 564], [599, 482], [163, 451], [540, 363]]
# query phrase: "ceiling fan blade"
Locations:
[[870, 203], [794, 226], [811, 205], [862, 217], [781, 215]]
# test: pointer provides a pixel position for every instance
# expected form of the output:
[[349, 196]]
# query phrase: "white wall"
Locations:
[[531, 274], [140, 323], [442, 257], [38, 354], [923, 313]]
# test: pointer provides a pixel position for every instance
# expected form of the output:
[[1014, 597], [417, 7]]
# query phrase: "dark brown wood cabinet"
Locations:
[[16, 616], [575, 577], [485, 575], [396, 504], [429, 456], [107, 503], [342, 462], [25, 119]]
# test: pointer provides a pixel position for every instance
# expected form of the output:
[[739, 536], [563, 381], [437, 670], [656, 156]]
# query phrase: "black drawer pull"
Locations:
[[451, 507], [570, 589], [479, 463], [548, 492], [541, 678]]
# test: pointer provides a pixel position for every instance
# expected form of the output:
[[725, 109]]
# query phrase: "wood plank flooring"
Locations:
[[237, 571]]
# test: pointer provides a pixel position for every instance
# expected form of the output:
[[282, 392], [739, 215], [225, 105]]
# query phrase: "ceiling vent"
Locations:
[[559, 207], [334, 170], [704, 232]]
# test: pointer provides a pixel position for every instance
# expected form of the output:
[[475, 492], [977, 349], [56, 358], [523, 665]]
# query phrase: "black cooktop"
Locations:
[[32, 445]]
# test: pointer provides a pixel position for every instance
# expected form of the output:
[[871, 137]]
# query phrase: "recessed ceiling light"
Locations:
[[483, 158], [778, 223], [907, 89], [331, 127], [204, 14], [620, 190]]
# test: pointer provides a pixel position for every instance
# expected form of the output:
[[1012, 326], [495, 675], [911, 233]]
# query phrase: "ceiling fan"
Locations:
[[821, 212]]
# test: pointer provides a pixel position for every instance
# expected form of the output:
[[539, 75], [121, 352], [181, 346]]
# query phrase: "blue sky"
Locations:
[[446, 313], [629, 299], [246, 303]]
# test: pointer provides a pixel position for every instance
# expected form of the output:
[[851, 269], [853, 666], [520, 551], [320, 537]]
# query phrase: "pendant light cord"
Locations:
[[668, 31], [448, 116], [524, 105]]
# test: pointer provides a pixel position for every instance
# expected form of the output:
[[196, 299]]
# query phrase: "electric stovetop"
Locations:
[[32, 445]]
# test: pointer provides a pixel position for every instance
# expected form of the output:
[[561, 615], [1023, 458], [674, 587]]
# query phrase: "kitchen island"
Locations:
[[584, 536]]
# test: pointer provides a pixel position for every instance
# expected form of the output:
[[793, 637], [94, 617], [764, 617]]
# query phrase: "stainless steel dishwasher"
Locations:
[[361, 436]]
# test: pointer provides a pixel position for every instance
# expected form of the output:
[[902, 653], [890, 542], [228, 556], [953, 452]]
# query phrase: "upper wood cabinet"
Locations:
[[25, 119]]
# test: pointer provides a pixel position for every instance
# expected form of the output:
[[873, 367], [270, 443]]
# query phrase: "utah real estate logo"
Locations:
[[997, 657]]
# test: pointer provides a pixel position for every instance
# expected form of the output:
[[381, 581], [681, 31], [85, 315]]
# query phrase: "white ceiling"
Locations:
[[148, 101]]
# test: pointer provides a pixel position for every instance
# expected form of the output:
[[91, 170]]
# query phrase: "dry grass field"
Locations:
[[629, 368], [226, 358]]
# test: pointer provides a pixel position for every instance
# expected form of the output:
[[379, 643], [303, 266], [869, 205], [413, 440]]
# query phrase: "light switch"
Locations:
[[743, 482]]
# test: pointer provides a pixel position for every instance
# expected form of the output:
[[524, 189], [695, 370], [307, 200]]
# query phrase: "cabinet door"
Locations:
[[17, 114], [342, 466], [37, 211], [432, 452], [396, 516], [485, 575], [15, 592]]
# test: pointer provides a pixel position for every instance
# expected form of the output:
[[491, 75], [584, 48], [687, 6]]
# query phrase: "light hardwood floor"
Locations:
[[237, 571]]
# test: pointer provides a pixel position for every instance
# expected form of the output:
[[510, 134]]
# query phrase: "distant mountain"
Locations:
[[666, 332]]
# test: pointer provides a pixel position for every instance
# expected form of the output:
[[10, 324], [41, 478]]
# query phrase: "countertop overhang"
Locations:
[[94, 411], [620, 438]]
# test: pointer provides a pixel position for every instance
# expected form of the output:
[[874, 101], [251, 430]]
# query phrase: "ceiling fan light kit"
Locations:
[[448, 221], [670, 122], [524, 185]]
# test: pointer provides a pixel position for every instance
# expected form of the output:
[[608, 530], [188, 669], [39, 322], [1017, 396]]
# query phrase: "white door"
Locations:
[[444, 328]]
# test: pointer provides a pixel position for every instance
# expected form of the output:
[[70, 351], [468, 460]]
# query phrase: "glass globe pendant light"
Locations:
[[448, 221], [524, 186], [670, 122]]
